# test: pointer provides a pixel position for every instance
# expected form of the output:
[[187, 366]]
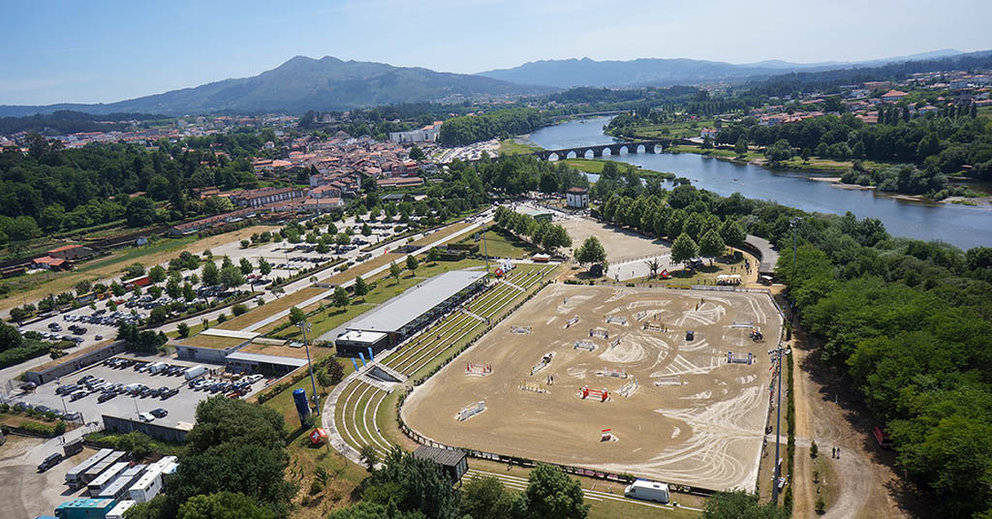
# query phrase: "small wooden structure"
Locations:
[[453, 462]]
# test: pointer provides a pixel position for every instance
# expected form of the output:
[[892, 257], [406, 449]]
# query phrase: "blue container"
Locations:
[[302, 406]]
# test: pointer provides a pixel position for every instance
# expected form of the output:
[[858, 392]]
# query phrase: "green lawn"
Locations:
[[512, 147], [500, 245], [596, 166]]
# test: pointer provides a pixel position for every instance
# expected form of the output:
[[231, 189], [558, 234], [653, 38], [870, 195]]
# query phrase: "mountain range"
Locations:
[[302, 84], [329, 84], [567, 73]]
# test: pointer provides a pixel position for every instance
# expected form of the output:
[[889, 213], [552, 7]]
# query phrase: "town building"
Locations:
[[428, 133], [267, 195], [577, 197]]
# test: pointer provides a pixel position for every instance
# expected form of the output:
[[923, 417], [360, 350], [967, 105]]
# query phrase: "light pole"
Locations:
[[305, 327]]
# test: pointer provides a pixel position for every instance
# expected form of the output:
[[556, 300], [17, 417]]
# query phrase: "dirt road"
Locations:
[[24, 492], [830, 412]]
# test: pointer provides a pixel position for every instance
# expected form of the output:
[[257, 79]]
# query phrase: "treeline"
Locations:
[[831, 80], [467, 129], [50, 189], [517, 174], [588, 99], [64, 122], [909, 324]]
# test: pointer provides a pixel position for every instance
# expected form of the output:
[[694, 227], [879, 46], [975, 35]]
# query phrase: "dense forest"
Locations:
[[467, 129], [942, 143], [50, 189], [63, 122], [831, 80]]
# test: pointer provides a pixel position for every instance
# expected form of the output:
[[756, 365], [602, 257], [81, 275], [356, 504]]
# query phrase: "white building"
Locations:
[[577, 197]]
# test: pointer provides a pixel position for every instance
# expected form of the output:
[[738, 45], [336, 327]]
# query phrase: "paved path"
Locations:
[[638, 268]]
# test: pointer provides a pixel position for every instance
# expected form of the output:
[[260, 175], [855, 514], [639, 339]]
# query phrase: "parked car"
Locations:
[[159, 413], [146, 417], [49, 462]]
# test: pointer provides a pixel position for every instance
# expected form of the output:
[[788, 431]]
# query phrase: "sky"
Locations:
[[103, 51]]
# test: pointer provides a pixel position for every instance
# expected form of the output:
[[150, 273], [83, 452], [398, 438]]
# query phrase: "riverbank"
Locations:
[[816, 166]]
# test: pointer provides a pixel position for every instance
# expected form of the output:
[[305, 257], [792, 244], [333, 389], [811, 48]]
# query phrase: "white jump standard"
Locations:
[[471, 410]]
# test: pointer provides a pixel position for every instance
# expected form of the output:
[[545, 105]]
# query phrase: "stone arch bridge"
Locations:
[[614, 149]]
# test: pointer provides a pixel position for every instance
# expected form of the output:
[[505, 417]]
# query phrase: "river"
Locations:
[[963, 226]]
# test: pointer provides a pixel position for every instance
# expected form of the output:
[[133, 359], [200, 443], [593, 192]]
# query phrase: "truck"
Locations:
[[157, 367], [118, 511], [74, 477], [98, 485], [97, 469], [647, 491], [72, 448], [194, 372]]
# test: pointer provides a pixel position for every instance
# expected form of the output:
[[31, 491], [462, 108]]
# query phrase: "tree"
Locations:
[[555, 237], [417, 153], [140, 212], [246, 266], [741, 147], [361, 288], [486, 497], [156, 274], [732, 233], [711, 245], [395, 271], [591, 251], [223, 505], [10, 337], [780, 151], [183, 330], [324, 380], [239, 309], [296, 316], [412, 264], [740, 505], [369, 456], [264, 267], [653, 266], [684, 249], [173, 288], [551, 494], [158, 314], [805, 154], [335, 370], [366, 230], [341, 298], [135, 270], [210, 274], [434, 255], [231, 276]]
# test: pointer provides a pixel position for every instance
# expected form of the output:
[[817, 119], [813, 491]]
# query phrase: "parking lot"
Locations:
[[121, 388]]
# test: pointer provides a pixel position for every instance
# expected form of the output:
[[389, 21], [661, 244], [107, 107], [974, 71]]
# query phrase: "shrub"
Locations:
[[239, 309]]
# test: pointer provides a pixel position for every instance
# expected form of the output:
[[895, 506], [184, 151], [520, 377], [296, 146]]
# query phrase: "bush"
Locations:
[[239, 309]]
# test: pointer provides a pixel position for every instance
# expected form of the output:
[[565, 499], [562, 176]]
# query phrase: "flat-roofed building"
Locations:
[[408, 312]]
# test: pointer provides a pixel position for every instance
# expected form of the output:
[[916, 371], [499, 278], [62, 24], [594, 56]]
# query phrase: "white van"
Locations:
[[647, 491]]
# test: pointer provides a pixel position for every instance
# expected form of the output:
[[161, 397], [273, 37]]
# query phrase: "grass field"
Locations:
[[513, 147], [596, 166], [677, 130], [501, 245]]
